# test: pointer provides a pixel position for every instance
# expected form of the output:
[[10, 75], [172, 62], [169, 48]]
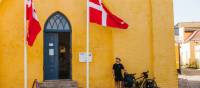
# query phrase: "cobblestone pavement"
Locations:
[[190, 78]]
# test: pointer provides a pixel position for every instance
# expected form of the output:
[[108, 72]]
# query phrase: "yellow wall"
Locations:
[[150, 37], [193, 62], [147, 44], [163, 43], [177, 55], [11, 42]]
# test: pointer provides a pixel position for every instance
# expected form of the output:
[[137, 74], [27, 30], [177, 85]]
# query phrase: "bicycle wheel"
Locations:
[[134, 84], [150, 83]]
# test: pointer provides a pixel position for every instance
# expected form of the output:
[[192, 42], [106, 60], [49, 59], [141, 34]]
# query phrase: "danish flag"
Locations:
[[101, 15], [33, 23]]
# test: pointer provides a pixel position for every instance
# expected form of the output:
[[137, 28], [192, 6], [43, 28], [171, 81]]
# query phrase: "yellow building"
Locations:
[[148, 43]]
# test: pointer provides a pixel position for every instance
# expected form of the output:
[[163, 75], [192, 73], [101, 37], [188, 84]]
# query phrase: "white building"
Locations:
[[187, 37]]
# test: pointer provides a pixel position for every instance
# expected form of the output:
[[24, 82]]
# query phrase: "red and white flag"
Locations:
[[101, 15], [33, 23]]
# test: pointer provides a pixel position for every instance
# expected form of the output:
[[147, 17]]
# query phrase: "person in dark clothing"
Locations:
[[117, 73]]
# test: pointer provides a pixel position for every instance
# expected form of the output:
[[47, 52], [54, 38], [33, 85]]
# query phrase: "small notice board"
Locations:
[[83, 57]]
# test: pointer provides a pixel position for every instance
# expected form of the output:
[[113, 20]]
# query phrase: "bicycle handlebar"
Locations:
[[145, 74]]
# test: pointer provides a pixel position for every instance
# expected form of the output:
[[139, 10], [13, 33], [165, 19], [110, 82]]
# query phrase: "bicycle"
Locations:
[[141, 82]]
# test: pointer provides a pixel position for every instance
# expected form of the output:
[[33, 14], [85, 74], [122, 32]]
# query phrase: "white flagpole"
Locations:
[[87, 47], [25, 49]]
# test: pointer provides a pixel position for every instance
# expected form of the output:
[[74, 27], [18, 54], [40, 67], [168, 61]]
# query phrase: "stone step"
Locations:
[[59, 84]]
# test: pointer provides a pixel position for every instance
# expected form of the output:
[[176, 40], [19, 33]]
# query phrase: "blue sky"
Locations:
[[186, 10]]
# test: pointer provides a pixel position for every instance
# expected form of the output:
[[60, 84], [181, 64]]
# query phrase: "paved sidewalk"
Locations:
[[190, 78]]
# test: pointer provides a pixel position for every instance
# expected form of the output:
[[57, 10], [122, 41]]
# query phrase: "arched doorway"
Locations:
[[57, 47]]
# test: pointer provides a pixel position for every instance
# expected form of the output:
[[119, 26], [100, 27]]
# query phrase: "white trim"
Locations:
[[34, 13], [100, 8], [104, 18], [25, 50], [191, 36], [95, 6], [28, 2], [88, 45], [100, 2]]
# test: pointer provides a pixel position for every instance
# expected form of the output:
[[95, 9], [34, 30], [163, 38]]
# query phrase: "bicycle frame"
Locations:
[[142, 82]]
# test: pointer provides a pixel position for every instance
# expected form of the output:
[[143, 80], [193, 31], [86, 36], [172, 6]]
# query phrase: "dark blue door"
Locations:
[[51, 64], [57, 47]]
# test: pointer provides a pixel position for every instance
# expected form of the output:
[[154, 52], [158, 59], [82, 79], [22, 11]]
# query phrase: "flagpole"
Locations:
[[25, 49], [87, 47]]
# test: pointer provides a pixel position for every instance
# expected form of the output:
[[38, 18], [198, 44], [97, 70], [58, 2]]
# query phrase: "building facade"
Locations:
[[187, 40], [148, 43]]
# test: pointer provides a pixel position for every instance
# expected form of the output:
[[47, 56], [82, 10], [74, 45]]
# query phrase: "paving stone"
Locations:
[[190, 78]]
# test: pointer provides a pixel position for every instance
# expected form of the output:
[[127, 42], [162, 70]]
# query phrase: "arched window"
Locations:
[[57, 22]]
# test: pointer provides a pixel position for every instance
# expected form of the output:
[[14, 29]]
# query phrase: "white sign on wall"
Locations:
[[51, 52], [83, 57]]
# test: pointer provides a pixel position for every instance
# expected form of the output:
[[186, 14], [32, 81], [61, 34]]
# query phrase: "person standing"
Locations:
[[117, 72]]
